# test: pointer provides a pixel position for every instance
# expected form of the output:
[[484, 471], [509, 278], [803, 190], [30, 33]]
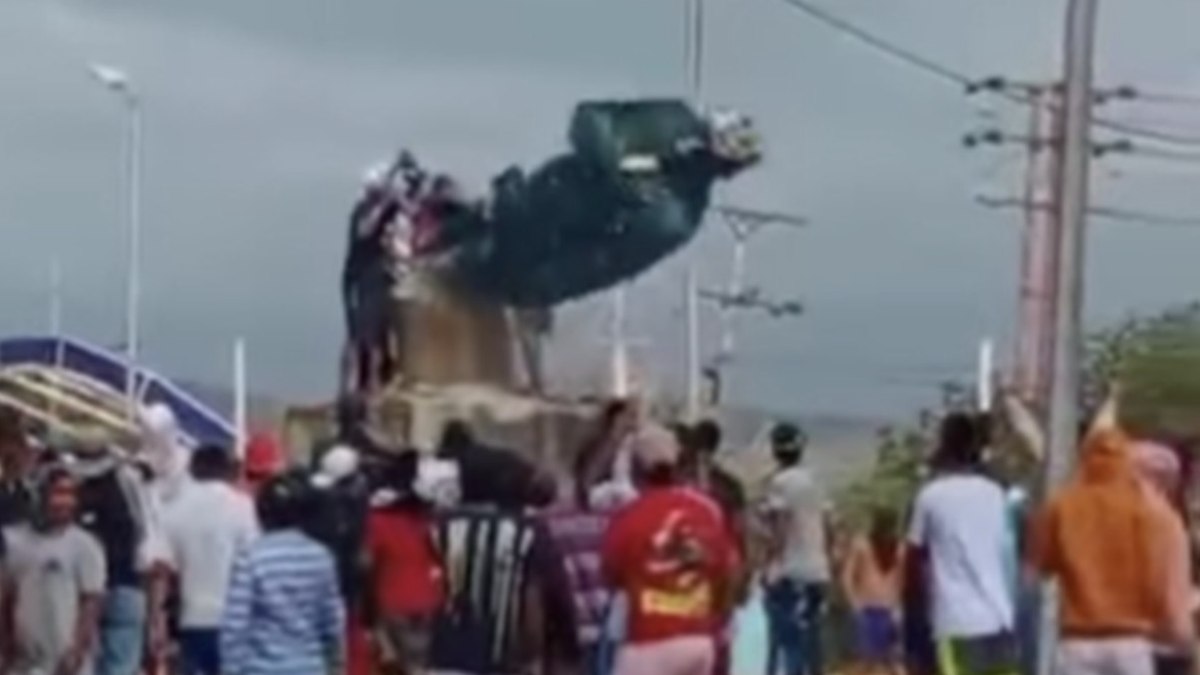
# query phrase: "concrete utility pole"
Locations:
[[1039, 255], [743, 224], [1064, 394]]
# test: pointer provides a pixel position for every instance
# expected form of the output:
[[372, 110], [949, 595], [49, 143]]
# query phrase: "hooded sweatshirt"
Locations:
[[1159, 470], [1099, 537]]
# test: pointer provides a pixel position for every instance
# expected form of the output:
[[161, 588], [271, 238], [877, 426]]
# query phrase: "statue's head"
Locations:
[[734, 140]]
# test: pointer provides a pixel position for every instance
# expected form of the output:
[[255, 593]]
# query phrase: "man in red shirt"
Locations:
[[671, 554], [405, 571]]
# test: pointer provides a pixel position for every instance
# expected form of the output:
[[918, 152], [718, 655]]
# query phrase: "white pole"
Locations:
[[56, 326], [692, 311], [118, 82], [619, 358], [986, 370], [1079, 53], [55, 299], [240, 398], [737, 280], [133, 299]]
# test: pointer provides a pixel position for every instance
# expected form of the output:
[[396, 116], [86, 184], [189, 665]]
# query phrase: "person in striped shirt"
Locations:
[[284, 614]]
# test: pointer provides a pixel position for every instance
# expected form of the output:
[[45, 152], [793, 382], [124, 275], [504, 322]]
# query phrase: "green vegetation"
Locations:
[[1155, 360]]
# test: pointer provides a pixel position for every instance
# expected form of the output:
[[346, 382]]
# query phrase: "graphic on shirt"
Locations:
[[675, 569]]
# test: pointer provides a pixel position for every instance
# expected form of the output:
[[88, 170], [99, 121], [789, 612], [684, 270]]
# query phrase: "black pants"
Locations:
[[1172, 664]]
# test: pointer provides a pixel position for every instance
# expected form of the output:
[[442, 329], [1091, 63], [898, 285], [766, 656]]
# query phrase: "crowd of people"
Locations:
[[467, 558]]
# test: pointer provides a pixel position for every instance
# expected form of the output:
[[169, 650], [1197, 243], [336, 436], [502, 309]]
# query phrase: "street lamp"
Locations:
[[118, 83]]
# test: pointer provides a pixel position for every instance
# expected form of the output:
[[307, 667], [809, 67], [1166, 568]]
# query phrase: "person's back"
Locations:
[[673, 556], [1097, 536], [284, 612], [500, 573], [207, 527], [872, 575], [794, 494], [960, 519], [578, 535]]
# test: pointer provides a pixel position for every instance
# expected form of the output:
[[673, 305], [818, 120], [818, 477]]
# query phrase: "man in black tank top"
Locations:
[[112, 508]]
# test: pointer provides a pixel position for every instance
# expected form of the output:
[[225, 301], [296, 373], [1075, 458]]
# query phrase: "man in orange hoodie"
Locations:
[[1100, 538]]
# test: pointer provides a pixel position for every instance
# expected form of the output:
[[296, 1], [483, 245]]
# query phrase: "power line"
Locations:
[[948, 74], [1107, 212], [897, 52], [1168, 98], [1188, 157]]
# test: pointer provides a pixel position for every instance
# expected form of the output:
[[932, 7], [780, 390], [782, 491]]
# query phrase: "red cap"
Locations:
[[263, 455]]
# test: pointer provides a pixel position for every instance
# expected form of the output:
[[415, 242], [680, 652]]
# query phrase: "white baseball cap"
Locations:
[[339, 463]]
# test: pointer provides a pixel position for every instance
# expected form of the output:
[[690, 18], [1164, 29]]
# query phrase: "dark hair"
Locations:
[[48, 476], [285, 501], [12, 427], [399, 474], [351, 413], [592, 447], [961, 439], [211, 462], [659, 475], [884, 536], [706, 436], [612, 411], [788, 443], [456, 437]]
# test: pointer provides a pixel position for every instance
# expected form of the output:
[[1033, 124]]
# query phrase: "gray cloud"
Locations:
[[260, 116]]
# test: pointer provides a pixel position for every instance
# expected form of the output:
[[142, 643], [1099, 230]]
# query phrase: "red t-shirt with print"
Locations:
[[672, 554]]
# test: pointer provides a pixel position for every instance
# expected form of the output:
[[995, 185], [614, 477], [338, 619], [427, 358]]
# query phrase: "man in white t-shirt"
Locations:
[[798, 571], [207, 526], [960, 525]]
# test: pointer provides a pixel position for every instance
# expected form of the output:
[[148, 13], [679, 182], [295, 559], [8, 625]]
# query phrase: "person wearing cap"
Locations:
[[376, 246], [797, 570], [671, 554], [404, 572], [284, 613], [342, 494], [264, 460]]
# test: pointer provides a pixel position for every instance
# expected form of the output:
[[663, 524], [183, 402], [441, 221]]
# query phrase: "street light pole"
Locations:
[[1064, 391], [119, 84]]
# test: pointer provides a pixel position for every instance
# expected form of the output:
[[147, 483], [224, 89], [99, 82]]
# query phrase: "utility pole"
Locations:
[[743, 225], [1078, 99], [692, 374], [1039, 254]]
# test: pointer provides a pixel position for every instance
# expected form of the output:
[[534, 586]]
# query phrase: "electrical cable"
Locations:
[[948, 74]]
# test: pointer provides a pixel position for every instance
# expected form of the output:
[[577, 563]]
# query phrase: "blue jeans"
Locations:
[[122, 631], [199, 651], [794, 611]]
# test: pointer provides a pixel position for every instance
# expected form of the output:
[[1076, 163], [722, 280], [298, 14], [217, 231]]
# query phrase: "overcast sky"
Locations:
[[262, 114]]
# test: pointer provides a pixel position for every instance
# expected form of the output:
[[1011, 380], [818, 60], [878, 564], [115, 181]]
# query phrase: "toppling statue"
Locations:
[[633, 188]]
